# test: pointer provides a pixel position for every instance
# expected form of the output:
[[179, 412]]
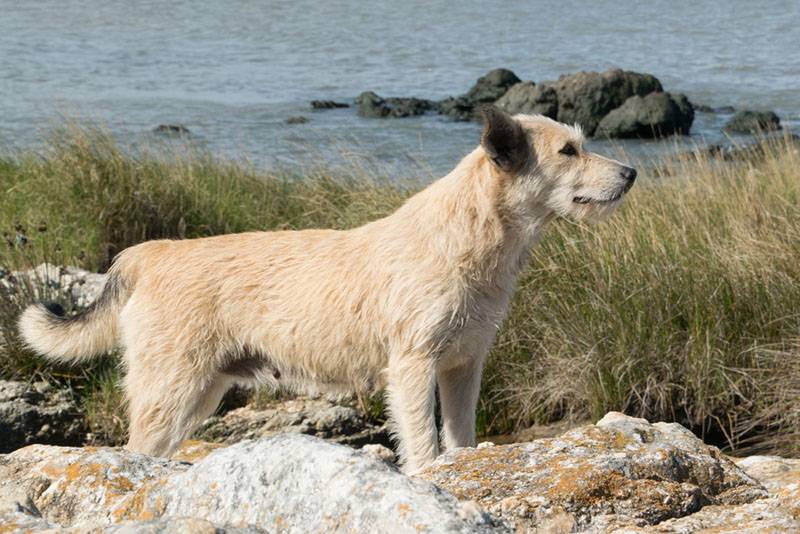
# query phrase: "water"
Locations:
[[234, 71]]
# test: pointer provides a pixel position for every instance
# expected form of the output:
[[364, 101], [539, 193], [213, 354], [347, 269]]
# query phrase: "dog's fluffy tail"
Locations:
[[91, 333]]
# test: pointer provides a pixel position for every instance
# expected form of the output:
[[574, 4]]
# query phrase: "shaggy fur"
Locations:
[[405, 302]]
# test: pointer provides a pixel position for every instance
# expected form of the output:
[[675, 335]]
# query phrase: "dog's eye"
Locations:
[[569, 150]]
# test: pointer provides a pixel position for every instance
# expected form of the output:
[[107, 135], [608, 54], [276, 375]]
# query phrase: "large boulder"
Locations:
[[38, 413], [622, 471], [288, 483], [529, 98], [655, 115], [491, 86], [749, 121], [585, 98], [370, 105], [333, 420]]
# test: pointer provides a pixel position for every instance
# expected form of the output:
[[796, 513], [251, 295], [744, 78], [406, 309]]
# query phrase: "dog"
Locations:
[[405, 303]]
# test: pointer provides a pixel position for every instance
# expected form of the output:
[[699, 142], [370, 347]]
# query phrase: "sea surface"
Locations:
[[234, 71]]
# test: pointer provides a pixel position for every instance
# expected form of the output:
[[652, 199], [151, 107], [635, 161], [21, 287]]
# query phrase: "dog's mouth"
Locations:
[[589, 200], [613, 198]]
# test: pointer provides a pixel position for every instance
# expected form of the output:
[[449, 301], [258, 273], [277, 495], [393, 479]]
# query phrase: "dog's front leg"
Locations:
[[459, 388], [411, 391]]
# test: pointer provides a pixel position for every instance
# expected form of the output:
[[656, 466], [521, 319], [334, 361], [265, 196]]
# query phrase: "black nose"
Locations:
[[629, 173]]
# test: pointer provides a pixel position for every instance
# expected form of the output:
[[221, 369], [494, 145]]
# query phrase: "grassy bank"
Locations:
[[683, 307]]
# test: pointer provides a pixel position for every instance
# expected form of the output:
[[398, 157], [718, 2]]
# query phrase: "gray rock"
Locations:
[[458, 108], [308, 485], [336, 421], [328, 104], [370, 105], [38, 413], [288, 483], [487, 89], [18, 517], [654, 115], [749, 121], [491, 86], [585, 98], [177, 130], [82, 486], [175, 525], [529, 98], [77, 287], [757, 517], [299, 119], [621, 471], [705, 108]]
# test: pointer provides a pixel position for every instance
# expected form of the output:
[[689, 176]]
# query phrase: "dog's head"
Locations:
[[547, 167]]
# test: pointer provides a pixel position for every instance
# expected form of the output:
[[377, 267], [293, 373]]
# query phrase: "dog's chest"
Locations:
[[474, 321]]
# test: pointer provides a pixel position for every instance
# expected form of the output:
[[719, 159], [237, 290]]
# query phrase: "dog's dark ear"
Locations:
[[503, 139]]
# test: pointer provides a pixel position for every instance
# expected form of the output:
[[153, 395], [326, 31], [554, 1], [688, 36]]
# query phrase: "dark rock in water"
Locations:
[[491, 86], [749, 121], [655, 115], [749, 152], [458, 108], [705, 108], [37, 413], [328, 104], [529, 98], [585, 98], [297, 120], [487, 89], [370, 105], [172, 129]]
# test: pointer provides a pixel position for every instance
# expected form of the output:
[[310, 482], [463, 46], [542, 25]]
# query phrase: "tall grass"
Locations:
[[683, 307]]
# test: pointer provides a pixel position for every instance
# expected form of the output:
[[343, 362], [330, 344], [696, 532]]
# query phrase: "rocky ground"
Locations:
[[621, 475]]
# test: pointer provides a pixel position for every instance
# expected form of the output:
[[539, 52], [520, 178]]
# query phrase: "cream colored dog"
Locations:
[[405, 302]]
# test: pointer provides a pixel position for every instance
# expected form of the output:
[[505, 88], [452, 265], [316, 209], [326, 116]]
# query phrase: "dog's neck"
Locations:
[[469, 224]]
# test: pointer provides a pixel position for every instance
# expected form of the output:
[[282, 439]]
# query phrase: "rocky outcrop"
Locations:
[[654, 115], [38, 413], [370, 105], [333, 420], [622, 475], [585, 98], [531, 99], [778, 512], [620, 472], [749, 121], [288, 483]]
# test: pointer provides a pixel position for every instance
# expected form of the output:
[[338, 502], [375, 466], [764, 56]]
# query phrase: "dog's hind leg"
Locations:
[[411, 388], [459, 388], [167, 405]]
